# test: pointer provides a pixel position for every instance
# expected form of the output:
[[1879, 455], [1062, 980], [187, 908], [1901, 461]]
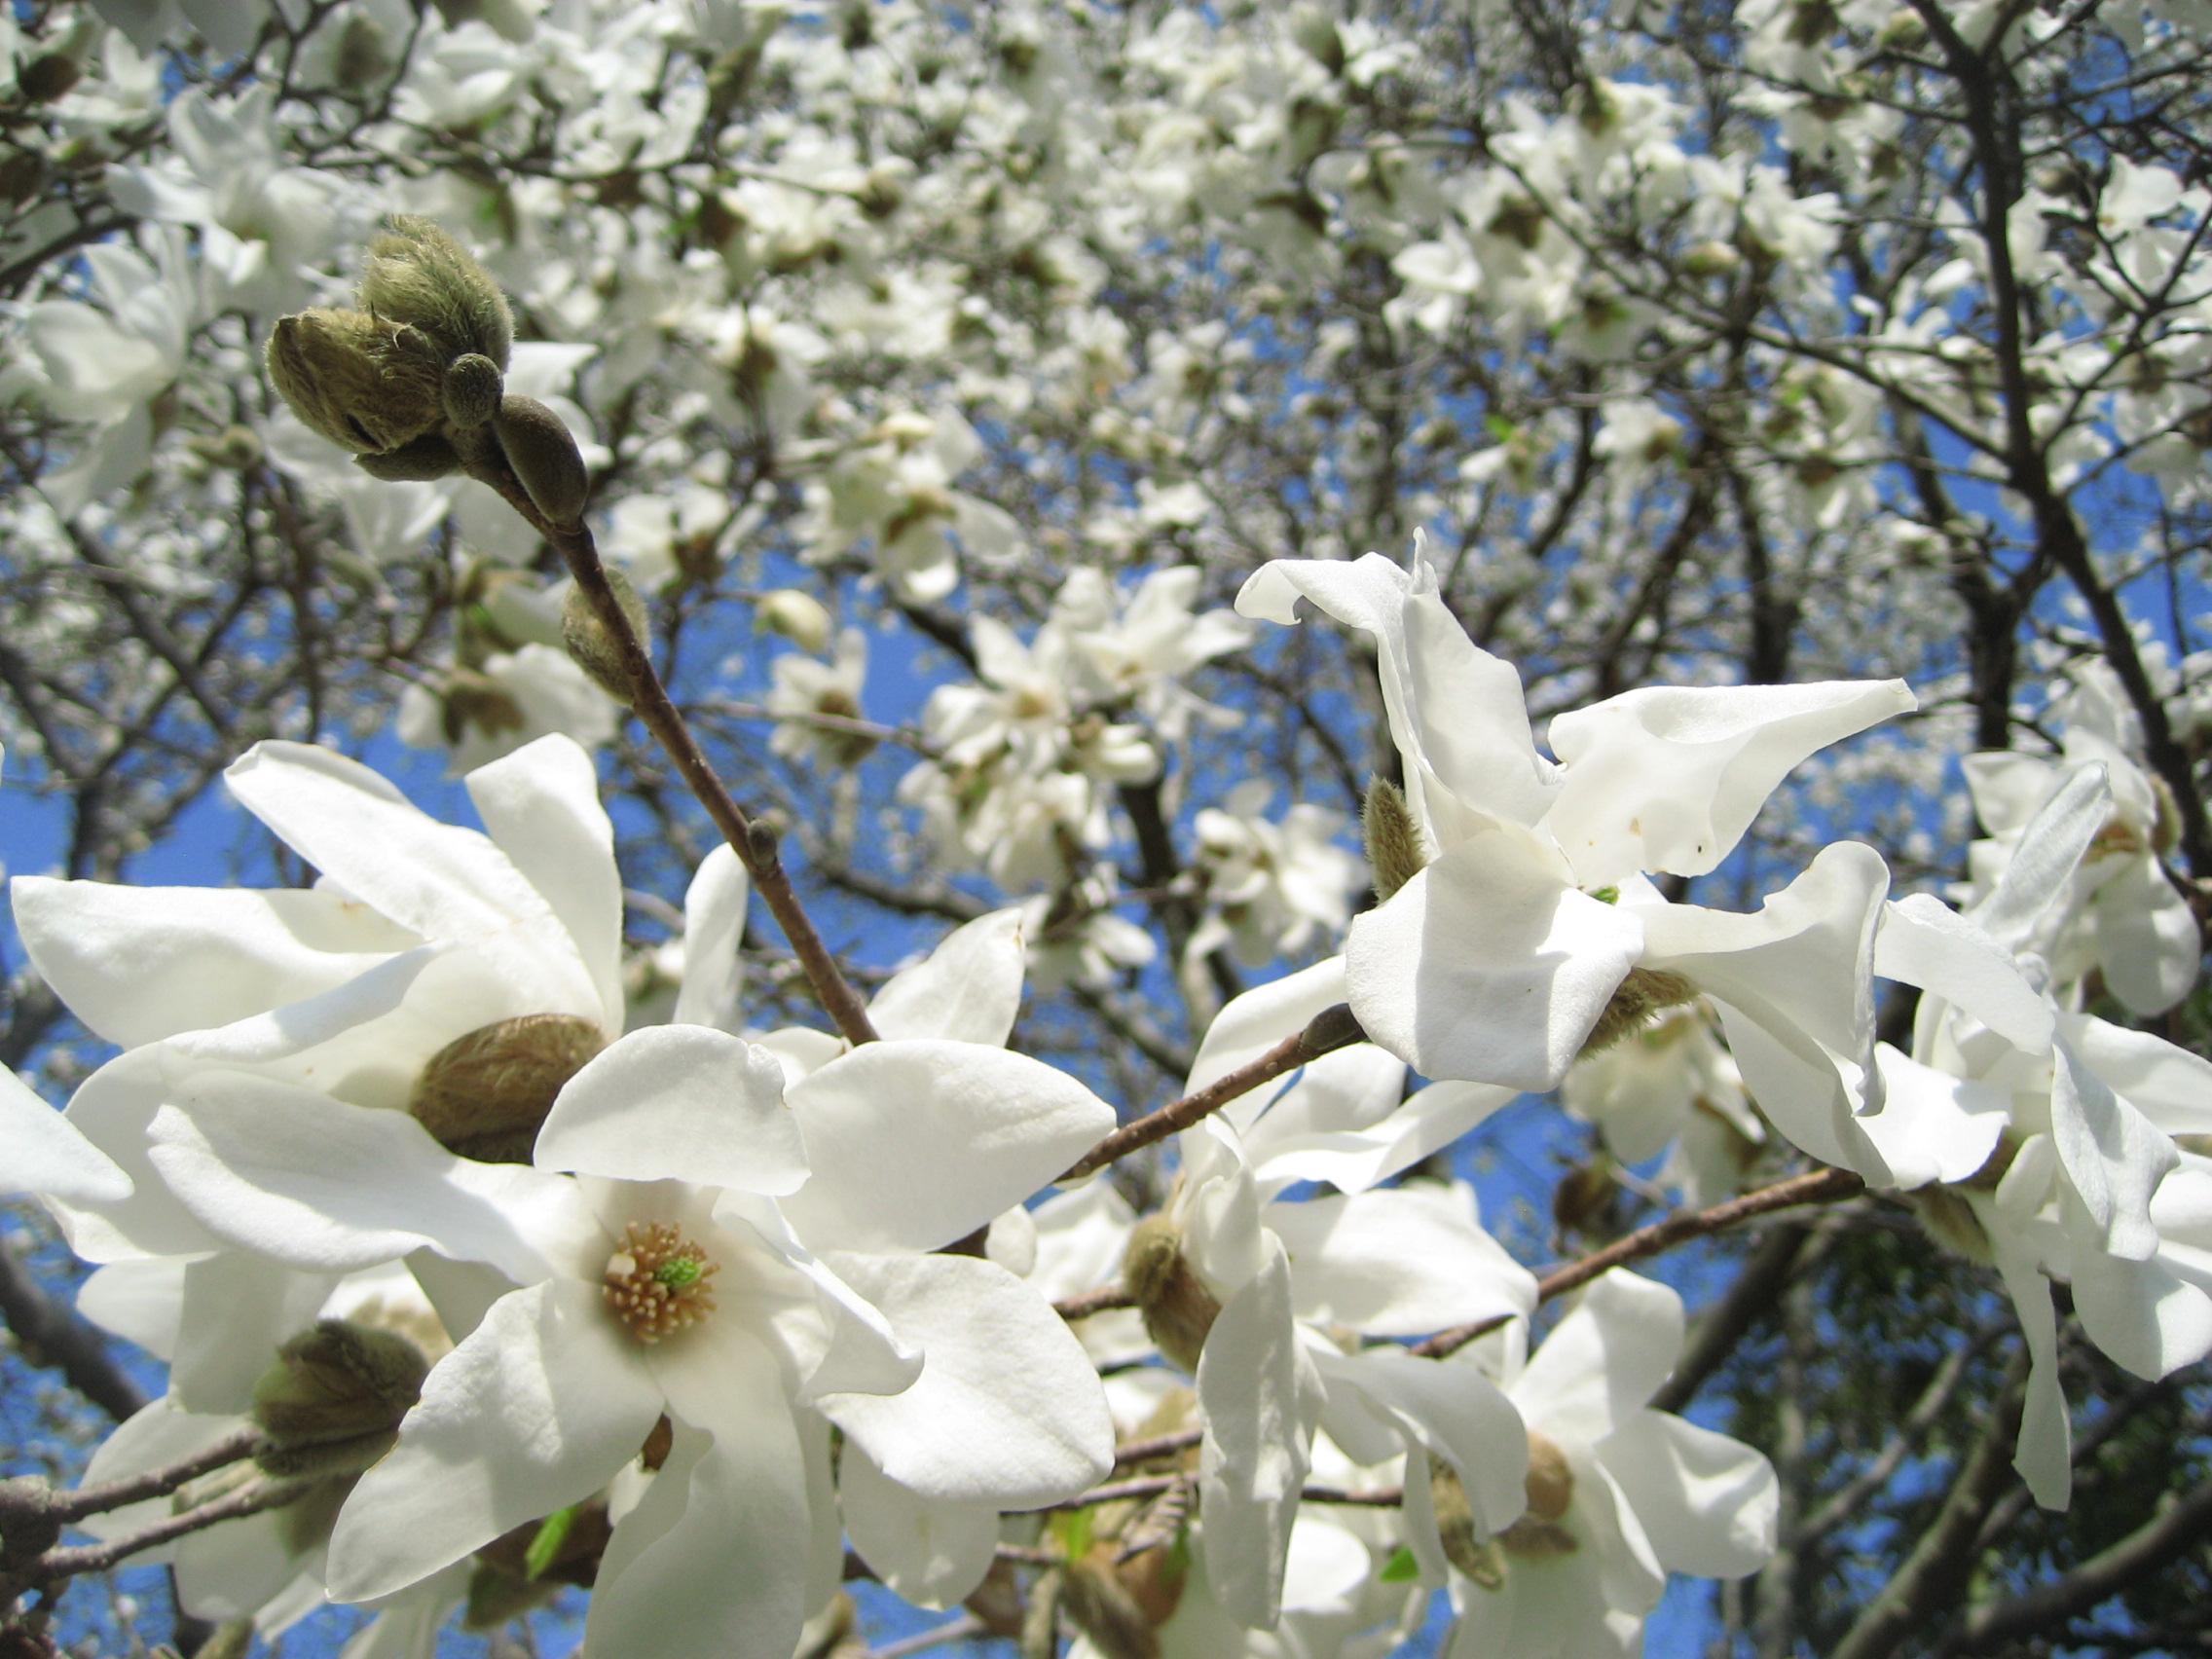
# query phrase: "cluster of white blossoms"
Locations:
[[515, 1298]]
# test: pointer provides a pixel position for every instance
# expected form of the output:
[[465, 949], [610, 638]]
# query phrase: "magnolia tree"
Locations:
[[1099, 657]]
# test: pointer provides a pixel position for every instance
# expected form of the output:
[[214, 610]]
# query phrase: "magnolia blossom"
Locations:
[[1532, 921], [1270, 886], [805, 686], [1671, 1087], [2124, 917], [1619, 1495]]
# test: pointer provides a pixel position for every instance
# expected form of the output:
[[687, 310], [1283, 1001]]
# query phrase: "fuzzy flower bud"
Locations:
[[418, 275], [1396, 850], [367, 385], [544, 456], [332, 1401], [486, 1096], [1178, 1309]]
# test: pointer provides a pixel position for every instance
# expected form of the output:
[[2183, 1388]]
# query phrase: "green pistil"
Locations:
[[678, 1271], [1606, 895]]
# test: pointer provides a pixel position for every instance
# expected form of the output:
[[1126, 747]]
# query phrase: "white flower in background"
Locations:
[[106, 361], [893, 489], [1135, 649], [1671, 1087], [657, 538], [511, 699], [1270, 886], [1532, 922], [805, 685], [1618, 1496], [2121, 915], [1077, 937]]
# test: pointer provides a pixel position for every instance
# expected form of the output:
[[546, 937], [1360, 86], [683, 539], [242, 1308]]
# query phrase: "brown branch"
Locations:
[[1815, 1187], [1104, 1299], [1152, 1485], [1331, 1029], [52, 1333], [98, 1558], [1159, 1445], [154, 1482]]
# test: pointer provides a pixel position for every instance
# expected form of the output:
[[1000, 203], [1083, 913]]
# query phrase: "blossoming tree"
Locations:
[[1281, 830]]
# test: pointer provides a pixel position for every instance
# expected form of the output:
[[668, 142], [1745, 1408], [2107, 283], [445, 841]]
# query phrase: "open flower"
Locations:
[[1525, 931]]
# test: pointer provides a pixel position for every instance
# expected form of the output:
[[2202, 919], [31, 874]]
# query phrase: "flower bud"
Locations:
[[1095, 1597], [1950, 1219], [417, 275], [1477, 1557], [1395, 849], [332, 1401], [545, 459], [799, 616], [429, 458], [367, 385], [472, 389], [591, 645], [485, 1095], [1643, 993], [1178, 1308]]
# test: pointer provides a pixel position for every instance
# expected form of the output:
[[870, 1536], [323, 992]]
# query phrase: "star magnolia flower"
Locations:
[[2085, 1184], [420, 935], [1671, 1089], [1619, 1495], [2122, 914], [1496, 961]]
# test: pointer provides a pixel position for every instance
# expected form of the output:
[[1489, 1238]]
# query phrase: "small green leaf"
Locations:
[[1401, 1568], [552, 1533], [1606, 895]]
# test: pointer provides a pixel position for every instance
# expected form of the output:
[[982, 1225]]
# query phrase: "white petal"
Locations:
[[2167, 1083], [2042, 867], [535, 1411], [713, 1560], [1261, 1399], [915, 1144], [297, 1177], [677, 1103], [1708, 1504], [137, 963], [541, 806], [1457, 1414], [844, 1344], [236, 1311], [713, 925], [2148, 940], [1925, 942], [1934, 1126], [2114, 1156], [1350, 1089], [113, 1108], [442, 882], [1007, 1409], [1669, 778], [930, 1551], [2143, 1315], [968, 989], [1397, 1263], [1604, 1359], [1353, 1160], [2043, 1456], [1487, 967], [141, 1301], [41, 1152]]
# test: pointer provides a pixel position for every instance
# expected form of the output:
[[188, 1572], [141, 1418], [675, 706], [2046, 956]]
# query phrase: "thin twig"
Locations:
[[154, 1482], [1817, 1186], [98, 1558], [1104, 1299], [1329, 1030]]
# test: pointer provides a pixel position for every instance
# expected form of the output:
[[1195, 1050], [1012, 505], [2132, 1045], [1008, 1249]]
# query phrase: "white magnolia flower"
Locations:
[[1136, 650], [511, 700], [2123, 914], [1671, 1087], [1619, 1495], [1496, 961], [805, 687], [1270, 886]]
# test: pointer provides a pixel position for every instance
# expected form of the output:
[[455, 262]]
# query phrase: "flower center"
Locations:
[[658, 1281]]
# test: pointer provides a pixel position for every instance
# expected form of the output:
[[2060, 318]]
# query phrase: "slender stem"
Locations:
[[1159, 1445], [1329, 1030], [753, 844], [1817, 1186], [1104, 1299], [98, 1558], [1152, 1485], [154, 1482]]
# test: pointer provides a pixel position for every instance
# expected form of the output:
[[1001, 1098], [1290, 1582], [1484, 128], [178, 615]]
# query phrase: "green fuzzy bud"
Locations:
[[1395, 849], [332, 1401], [472, 389], [417, 275], [367, 385], [545, 459], [429, 458], [486, 1096], [1646, 991], [589, 643]]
